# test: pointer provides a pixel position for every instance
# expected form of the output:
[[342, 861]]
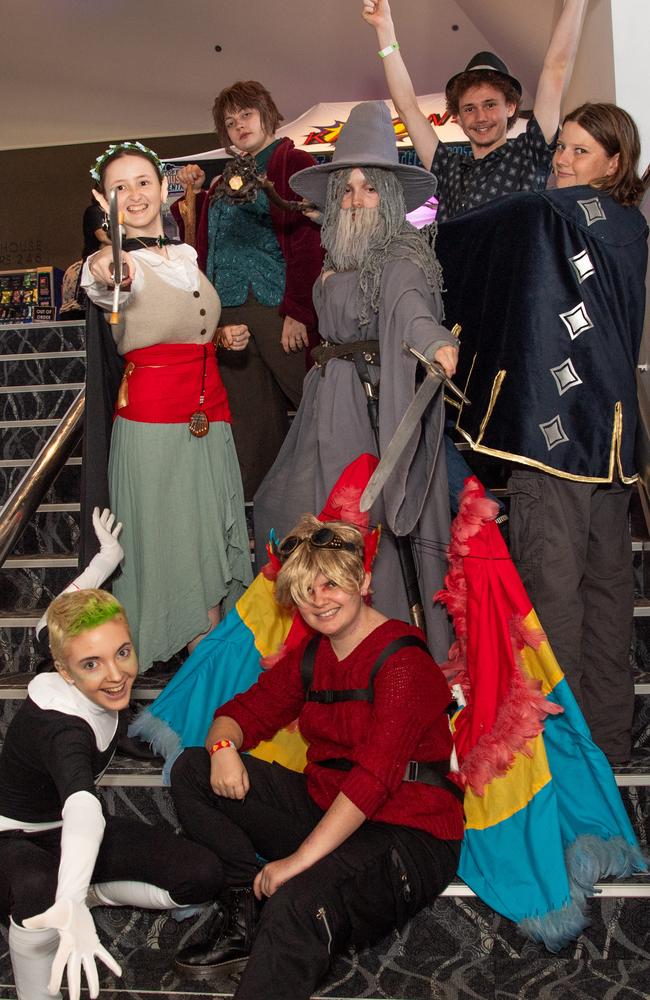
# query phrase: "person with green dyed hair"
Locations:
[[75, 612], [59, 855]]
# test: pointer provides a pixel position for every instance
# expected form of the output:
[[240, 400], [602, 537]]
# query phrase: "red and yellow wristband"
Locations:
[[221, 745]]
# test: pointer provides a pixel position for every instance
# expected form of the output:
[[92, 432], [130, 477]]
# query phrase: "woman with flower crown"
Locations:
[[174, 480]]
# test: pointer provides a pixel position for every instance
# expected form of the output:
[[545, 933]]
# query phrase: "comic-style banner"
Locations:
[[317, 130]]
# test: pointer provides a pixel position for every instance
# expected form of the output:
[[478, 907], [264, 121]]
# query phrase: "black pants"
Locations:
[[374, 882], [262, 383], [571, 544], [130, 851]]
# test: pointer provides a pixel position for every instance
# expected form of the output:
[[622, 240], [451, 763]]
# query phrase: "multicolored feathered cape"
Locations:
[[544, 818]]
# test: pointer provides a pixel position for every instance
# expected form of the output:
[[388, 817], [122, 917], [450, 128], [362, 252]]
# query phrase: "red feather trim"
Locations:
[[519, 716]]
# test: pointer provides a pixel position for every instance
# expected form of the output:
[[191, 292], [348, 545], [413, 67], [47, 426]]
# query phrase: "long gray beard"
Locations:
[[391, 238], [355, 232]]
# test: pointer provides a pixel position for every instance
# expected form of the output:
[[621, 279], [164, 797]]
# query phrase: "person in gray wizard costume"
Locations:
[[379, 290]]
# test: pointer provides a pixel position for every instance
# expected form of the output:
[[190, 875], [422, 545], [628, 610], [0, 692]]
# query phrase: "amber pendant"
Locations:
[[199, 424]]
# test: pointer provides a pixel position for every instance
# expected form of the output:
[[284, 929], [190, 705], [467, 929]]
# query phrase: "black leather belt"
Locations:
[[346, 352]]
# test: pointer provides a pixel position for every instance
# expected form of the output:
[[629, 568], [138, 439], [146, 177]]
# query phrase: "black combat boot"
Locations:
[[233, 940]]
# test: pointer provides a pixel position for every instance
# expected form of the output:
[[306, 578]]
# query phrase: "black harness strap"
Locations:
[[427, 772], [329, 696], [432, 772]]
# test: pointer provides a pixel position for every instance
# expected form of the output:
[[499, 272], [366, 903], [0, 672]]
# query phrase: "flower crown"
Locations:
[[125, 147]]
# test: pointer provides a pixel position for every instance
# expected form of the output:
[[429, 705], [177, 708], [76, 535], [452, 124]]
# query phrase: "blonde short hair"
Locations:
[[79, 611], [344, 568]]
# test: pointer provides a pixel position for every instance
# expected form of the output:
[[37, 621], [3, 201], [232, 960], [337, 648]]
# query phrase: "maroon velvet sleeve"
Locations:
[[299, 238]]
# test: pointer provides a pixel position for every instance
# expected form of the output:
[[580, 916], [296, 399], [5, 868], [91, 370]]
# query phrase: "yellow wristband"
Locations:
[[393, 47]]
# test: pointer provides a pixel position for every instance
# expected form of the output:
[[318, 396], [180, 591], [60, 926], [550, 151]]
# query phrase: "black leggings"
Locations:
[[130, 850], [379, 878]]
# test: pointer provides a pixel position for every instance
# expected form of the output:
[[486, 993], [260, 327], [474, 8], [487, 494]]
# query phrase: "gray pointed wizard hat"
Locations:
[[366, 140]]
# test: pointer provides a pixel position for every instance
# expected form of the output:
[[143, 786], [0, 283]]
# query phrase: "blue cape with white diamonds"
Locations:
[[549, 290]]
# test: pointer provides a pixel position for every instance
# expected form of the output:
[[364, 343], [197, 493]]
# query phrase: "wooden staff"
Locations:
[[187, 208]]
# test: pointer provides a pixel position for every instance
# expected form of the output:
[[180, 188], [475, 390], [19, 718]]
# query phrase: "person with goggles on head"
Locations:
[[370, 833]]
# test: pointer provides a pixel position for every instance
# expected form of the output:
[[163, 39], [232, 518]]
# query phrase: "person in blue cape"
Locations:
[[551, 334]]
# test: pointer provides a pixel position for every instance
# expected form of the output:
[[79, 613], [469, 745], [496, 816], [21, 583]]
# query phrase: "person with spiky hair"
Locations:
[[59, 854], [370, 833]]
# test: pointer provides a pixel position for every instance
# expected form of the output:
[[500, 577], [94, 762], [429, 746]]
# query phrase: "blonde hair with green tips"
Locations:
[[79, 611]]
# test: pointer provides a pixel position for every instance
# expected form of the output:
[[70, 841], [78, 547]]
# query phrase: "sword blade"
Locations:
[[116, 242], [399, 440], [116, 237]]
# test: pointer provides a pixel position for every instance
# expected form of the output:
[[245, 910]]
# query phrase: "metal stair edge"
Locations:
[[41, 560], [13, 687], [10, 390]]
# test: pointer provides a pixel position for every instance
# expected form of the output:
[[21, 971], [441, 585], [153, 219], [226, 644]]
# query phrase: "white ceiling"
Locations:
[[91, 70]]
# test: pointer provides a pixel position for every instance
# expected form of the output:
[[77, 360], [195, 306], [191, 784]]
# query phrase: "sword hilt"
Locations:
[[117, 262], [435, 369]]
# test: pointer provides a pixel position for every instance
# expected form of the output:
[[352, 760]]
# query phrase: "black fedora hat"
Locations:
[[486, 61]]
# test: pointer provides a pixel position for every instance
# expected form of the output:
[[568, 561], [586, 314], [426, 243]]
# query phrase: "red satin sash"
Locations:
[[163, 384]]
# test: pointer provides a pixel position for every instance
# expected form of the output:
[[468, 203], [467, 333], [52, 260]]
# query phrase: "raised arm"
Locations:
[[558, 66], [424, 139], [103, 564]]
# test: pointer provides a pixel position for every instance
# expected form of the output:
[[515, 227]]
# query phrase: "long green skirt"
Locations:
[[185, 540]]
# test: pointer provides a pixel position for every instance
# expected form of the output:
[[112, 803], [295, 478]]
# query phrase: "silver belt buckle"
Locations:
[[412, 769]]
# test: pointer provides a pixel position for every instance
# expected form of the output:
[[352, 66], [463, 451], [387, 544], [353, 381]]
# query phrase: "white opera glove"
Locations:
[[78, 946], [104, 563], [110, 552]]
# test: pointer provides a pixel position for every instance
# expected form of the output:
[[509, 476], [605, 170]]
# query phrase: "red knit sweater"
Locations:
[[406, 721]]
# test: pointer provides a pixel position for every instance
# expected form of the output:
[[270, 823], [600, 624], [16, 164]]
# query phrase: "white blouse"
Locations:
[[179, 269]]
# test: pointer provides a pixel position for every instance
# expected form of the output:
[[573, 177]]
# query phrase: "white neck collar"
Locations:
[[52, 693]]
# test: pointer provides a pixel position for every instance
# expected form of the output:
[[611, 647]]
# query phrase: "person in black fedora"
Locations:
[[485, 98]]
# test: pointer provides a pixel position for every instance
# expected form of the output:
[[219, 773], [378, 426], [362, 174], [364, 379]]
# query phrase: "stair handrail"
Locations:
[[15, 514]]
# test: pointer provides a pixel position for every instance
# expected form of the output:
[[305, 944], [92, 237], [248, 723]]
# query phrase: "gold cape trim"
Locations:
[[614, 454], [496, 389]]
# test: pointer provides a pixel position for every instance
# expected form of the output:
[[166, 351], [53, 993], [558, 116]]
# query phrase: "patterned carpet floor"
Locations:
[[458, 950]]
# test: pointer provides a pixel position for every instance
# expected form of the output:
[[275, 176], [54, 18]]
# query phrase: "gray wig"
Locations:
[[394, 238]]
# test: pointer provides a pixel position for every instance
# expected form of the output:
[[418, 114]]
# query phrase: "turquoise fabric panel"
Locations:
[[223, 664], [517, 867]]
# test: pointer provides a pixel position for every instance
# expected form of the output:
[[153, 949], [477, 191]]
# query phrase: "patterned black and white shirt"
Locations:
[[520, 164]]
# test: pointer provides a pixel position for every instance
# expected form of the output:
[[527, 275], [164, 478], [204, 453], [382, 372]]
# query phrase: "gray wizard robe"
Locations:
[[332, 428]]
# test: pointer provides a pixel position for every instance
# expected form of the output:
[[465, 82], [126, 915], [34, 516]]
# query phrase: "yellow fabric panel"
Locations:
[[288, 748], [505, 796], [541, 663], [259, 610]]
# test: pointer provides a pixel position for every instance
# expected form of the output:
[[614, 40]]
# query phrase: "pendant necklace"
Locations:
[[199, 423]]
